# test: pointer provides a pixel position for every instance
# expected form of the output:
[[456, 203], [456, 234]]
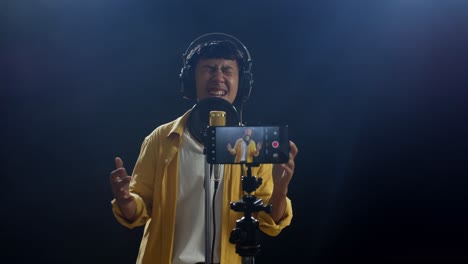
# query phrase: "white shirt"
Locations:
[[243, 156], [189, 239]]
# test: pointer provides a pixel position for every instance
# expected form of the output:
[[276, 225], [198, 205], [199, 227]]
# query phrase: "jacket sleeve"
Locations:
[[141, 185], [264, 191]]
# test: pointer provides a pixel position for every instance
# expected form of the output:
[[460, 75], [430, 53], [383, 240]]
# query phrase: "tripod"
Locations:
[[245, 235]]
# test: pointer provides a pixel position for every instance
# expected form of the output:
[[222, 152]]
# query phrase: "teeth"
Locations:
[[218, 93]]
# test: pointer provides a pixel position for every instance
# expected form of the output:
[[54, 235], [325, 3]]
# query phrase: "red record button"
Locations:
[[275, 144]]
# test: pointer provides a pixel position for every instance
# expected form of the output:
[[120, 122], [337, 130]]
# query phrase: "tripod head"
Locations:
[[245, 235]]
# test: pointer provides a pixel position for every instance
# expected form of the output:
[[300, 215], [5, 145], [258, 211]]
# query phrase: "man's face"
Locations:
[[217, 78], [247, 134]]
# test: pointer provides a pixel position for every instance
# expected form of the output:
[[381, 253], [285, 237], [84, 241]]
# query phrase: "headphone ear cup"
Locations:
[[245, 86], [187, 83]]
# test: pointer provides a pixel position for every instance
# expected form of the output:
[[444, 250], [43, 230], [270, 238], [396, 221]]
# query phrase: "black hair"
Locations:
[[225, 49]]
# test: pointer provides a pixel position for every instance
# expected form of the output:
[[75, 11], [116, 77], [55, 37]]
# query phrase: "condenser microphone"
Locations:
[[217, 118], [199, 116]]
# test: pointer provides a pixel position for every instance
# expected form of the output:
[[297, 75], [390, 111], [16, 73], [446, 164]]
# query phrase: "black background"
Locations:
[[374, 93]]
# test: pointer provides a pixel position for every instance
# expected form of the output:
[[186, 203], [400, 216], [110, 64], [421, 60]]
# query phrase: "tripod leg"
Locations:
[[248, 260]]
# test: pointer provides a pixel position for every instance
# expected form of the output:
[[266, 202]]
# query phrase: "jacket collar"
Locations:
[[178, 126]]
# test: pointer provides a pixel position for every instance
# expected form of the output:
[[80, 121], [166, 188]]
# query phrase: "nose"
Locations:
[[218, 75]]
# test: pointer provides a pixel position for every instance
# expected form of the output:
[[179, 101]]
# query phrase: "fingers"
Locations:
[[289, 166], [119, 173], [118, 162], [293, 150], [119, 177], [282, 173], [292, 155], [120, 182], [128, 198], [122, 195]]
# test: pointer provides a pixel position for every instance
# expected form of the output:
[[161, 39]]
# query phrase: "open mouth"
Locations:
[[219, 93]]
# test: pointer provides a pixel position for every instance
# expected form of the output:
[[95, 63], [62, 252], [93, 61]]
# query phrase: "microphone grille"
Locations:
[[217, 118]]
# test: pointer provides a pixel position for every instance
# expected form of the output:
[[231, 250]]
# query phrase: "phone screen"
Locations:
[[247, 144]]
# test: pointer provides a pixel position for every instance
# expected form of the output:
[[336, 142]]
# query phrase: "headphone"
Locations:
[[187, 73]]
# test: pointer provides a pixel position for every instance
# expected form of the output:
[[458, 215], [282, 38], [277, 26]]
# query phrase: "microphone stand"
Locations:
[[247, 228], [208, 210]]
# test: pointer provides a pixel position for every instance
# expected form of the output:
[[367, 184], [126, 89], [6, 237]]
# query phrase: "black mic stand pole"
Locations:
[[207, 184], [247, 228]]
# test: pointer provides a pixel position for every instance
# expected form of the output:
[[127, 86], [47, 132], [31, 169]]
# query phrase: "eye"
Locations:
[[228, 71]]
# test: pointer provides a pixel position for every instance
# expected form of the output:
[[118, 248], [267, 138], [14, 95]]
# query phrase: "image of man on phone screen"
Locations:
[[245, 148]]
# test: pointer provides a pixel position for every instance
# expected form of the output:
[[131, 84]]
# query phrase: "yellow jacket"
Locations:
[[154, 186], [251, 150]]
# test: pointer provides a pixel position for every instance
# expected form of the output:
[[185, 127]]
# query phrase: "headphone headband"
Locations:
[[213, 37]]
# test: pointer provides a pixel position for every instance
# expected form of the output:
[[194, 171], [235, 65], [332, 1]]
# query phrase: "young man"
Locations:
[[165, 192], [245, 148]]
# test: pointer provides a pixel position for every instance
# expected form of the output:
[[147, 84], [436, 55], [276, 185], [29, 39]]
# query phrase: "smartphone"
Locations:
[[247, 144]]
